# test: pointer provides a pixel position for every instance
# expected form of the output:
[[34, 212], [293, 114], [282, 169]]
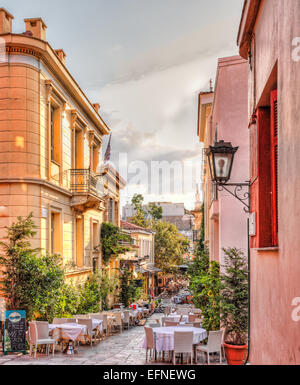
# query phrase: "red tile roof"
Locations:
[[132, 227]]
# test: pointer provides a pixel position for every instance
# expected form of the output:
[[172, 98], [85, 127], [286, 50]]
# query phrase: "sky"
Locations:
[[145, 62]]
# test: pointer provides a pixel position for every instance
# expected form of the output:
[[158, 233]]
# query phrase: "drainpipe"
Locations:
[[249, 293]]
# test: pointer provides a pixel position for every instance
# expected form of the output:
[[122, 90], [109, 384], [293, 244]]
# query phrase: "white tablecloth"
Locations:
[[164, 337], [176, 318], [69, 331]]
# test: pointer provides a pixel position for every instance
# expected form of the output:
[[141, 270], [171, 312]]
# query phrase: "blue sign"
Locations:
[[14, 332]]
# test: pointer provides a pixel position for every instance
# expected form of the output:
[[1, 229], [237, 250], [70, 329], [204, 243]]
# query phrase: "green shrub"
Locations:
[[36, 283], [234, 297], [205, 285], [111, 237]]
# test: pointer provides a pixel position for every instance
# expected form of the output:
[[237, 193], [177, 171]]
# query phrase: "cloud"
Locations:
[[155, 118]]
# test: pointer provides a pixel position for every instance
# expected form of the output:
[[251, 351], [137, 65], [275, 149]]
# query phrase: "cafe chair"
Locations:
[[90, 333], [193, 317], [118, 322], [163, 321], [97, 316], [183, 343], [59, 321], [126, 320], [39, 335], [105, 325], [82, 316], [214, 345], [150, 342], [171, 323], [71, 321]]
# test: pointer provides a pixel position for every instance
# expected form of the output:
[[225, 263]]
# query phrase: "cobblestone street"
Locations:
[[120, 349]]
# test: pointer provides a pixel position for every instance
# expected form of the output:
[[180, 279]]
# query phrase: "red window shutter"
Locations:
[[274, 160]]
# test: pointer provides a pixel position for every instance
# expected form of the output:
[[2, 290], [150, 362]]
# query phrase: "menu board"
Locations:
[[14, 332]]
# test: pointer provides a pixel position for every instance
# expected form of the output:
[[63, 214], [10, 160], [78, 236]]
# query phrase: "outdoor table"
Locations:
[[68, 331], [176, 318], [164, 337]]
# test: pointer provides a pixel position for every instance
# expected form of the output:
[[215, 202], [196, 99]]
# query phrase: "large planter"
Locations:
[[236, 355]]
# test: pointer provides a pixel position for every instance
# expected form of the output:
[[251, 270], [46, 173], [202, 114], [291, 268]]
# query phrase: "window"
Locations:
[[55, 134], [55, 233], [79, 149], [274, 165], [264, 170], [111, 210], [52, 134], [95, 158], [79, 241]]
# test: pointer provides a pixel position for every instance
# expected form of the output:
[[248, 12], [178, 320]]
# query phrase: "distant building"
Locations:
[[141, 258], [51, 141], [198, 216], [221, 116], [174, 213]]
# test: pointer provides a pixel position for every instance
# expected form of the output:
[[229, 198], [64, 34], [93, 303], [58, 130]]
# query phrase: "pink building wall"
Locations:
[[275, 272], [230, 116]]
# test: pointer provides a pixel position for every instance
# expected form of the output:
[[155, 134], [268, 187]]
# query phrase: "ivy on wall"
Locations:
[[112, 242]]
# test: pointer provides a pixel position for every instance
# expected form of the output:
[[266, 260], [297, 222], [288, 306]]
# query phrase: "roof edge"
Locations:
[[247, 23]]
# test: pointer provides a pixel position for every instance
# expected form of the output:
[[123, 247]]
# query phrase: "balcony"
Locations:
[[88, 189]]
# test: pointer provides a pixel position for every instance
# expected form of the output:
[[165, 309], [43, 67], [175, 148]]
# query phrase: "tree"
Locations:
[[139, 219], [170, 245], [129, 292], [234, 297], [211, 284], [198, 269], [155, 211], [205, 284], [111, 242], [30, 281]]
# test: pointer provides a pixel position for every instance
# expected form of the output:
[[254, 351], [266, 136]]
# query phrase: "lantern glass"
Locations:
[[223, 164], [220, 159]]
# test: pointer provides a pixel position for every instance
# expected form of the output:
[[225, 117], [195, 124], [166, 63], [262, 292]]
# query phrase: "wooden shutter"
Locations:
[[274, 160]]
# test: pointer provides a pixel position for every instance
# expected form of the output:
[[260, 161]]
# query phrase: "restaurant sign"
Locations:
[[14, 332]]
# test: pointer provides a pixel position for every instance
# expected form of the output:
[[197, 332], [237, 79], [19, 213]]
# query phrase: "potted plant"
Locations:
[[234, 306]]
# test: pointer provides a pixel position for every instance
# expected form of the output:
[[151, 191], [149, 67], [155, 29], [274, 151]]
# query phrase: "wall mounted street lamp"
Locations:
[[220, 159]]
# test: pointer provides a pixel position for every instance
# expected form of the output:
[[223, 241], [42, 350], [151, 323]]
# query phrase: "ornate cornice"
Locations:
[[23, 50]]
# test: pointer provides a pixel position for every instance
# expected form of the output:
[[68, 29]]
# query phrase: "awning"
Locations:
[[148, 269]]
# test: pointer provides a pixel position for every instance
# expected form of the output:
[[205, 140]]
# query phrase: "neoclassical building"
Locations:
[[50, 144]]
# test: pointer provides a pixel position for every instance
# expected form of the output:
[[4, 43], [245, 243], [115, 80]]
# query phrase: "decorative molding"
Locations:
[[23, 50], [76, 116], [52, 89]]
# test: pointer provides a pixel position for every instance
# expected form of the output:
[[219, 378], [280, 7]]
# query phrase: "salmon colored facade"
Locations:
[[225, 219], [269, 39], [50, 144]]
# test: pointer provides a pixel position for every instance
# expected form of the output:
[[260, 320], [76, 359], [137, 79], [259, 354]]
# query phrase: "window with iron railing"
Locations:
[[83, 181]]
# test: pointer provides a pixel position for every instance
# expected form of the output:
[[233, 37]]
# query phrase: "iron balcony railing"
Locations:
[[85, 181]]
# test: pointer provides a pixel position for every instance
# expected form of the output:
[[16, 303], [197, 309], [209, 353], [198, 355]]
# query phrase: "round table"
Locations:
[[68, 331], [164, 337]]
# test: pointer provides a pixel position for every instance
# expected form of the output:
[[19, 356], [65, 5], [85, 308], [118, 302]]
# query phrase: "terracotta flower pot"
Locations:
[[236, 355]]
